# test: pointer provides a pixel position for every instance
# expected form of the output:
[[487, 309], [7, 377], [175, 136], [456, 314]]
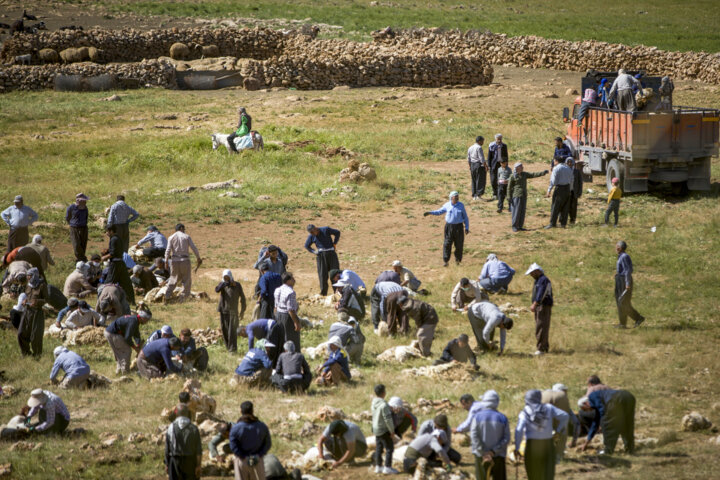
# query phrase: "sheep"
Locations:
[[179, 51], [48, 55], [23, 59]]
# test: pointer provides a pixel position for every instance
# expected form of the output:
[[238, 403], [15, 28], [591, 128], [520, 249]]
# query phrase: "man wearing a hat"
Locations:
[[336, 369], [517, 194], [76, 369], [41, 250], [76, 215], [123, 335], [155, 359], [165, 331], [76, 284], [325, 240], [177, 255], [455, 218], [542, 302], [157, 241], [341, 441], [440, 422], [52, 413], [18, 217], [558, 397], [121, 215], [407, 278], [351, 336], [426, 319], [256, 367], [72, 305]]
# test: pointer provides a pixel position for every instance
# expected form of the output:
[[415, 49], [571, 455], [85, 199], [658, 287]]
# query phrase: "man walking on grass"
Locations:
[[455, 217], [177, 255], [624, 288], [478, 168], [542, 303]]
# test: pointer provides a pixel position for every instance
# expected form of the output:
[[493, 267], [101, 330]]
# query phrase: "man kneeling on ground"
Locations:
[[457, 350], [254, 370], [429, 446], [292, 373], [155, 360], [336, 369], [191, 356], [342, 441]]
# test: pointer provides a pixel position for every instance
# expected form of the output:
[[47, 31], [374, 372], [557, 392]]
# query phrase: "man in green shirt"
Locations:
[[517, 194], [243, 128]]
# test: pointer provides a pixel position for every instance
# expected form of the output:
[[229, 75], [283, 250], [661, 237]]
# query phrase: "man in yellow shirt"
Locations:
[[613, 202]]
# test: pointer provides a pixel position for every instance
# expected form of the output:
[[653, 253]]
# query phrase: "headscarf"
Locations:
[[34, 279], [289, 347], [59, 350], [453, 194], [492, 258], [227, 273], [515, 170], [335, 340], [37, 239], [490, 399], [534, 409], [603, 81]]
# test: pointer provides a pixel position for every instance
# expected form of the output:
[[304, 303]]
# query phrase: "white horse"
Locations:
[[252, 140]]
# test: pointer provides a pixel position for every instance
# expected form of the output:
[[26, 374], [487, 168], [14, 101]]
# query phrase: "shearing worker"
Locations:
[[117, 270], [52, 413], [466, 293], [76, 284], [484, 318], [292, 373], [350, 304], [157, 241], [615, 414], [351, 336], [342, 441], [496, 275], [42, 250], [123, 335], [76, 369], [457, 350], [426, 320]]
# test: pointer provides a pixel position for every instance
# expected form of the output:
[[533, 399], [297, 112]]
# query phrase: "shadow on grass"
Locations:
[[517, 355], [562, 351], [604, 348]]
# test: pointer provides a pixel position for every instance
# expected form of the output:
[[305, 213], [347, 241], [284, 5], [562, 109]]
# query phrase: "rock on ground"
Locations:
[[694, 421]]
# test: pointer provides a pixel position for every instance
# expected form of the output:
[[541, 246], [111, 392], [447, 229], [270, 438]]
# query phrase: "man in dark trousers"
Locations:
[[561, 179], [183, 448], [455, 218], [231, 294], [18, 217], [325, 240], [243, 128], [457, 350], [155, 359], [575, 189], [562, 151], [615, 414], [624, 288], [250, 442], [76, 216], [266, 286], [117, 271], [121, 215], [497, 151], [478, 168], [542, 302]]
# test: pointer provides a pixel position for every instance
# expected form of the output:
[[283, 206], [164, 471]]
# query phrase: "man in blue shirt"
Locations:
[[250, 442], [120, 215], [496, 275], [561, 179], [18, 217], [157, 241], [76, 216], [455, 217], [489, 437], [256, 366], [615, 413], [562, 151], [155, 359], [624, 288], [76, 369], [542, 302], [268, 282], [325, 240]]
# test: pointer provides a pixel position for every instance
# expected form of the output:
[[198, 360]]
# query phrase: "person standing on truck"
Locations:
[[478, 168], [603, 93], [561, 179], [624, 288], [622, 91], [613, 202], [665, 91], [496, 151]]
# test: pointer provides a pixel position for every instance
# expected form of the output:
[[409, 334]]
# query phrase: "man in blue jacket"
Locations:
[[325, 240], [615, 414], [489, 437], [155, 360], [250, 442], [266, 286], [255, 368]]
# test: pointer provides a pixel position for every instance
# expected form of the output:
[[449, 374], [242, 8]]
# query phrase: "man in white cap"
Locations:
[[351, 337], [336, 369], [77, 371], [76, 284], [542, 302], [76, 215], [42, 250], [52, 413], [18, 217], [622, 91], [558, 397], [408, 280], [123, 335], [165, 331], [455, 217], [497, 152]]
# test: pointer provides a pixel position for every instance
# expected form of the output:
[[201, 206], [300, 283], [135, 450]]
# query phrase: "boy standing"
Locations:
[[382, 428], [503, 176], [613, 201]]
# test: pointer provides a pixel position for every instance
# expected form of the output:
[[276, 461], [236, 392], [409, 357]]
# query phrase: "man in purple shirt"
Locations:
[[624, 288], [76, 216]]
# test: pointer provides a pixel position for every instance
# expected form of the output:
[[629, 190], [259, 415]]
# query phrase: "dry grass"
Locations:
[[669, 364]]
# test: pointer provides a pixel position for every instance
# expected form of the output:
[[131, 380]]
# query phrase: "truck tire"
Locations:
[[615, 168]]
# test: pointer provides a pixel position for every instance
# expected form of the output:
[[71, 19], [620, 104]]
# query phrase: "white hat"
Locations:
[[498, 135], [80, 266], [167, 329], [144, 314], [37, 238], [583, 401], [37, 397], [396, 263], [137, 269], [395, 402], [58, 350], [269, 344], [335, 340], [534, 267], [560, 387], [454, 193]]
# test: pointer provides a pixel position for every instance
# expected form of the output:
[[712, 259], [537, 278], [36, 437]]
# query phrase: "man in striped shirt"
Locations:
[[286, 308]]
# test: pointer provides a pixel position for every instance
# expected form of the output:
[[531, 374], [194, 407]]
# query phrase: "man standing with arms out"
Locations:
[[18, 217], [497, 151], [489, 438], [76, 216], [250, 442], [542, 302], [157, 241], [286, 308], [177, 255], [325, 240], [455, 217], [561, 179], [120, 215], [517, 195], [478, 168], [624, 288]]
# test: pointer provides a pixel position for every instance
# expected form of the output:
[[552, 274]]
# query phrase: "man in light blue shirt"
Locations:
[[561, 180], [157, 241], [120, 215], [455, 217], [18, 217], [489, 437], [536, 423], [496, 275], [76, 369]]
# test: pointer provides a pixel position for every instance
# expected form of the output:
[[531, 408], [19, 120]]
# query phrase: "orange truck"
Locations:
[[647, 146]]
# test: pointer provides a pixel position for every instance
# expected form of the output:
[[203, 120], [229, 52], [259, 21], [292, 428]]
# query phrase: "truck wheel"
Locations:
[[615, 169], [680, 189]]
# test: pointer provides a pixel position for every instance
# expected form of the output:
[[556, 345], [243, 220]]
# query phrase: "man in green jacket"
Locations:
[[517, 194], [243, 128]]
